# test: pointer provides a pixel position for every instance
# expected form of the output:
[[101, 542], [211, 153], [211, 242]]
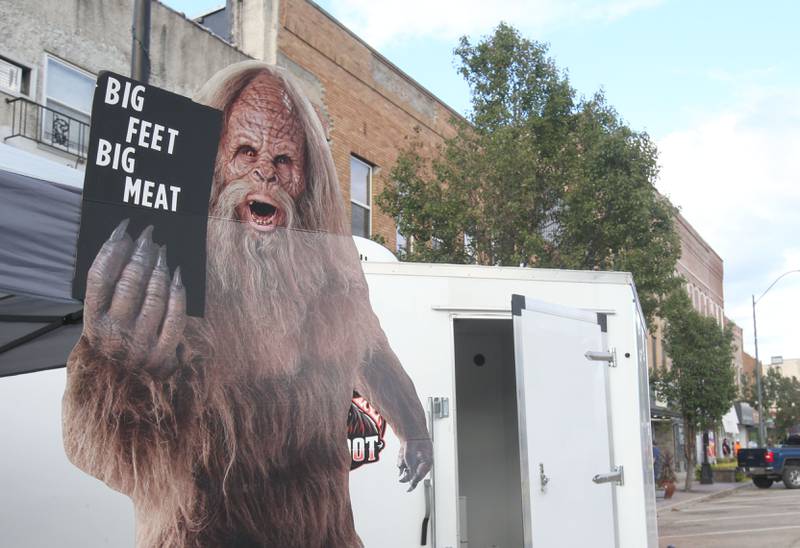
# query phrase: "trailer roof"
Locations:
[[507, 273], [498, 272]]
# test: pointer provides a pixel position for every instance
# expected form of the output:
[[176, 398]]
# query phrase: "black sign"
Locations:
[[151, 160]]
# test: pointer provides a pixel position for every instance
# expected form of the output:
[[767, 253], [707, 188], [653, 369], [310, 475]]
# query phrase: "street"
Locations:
[[744, 518]]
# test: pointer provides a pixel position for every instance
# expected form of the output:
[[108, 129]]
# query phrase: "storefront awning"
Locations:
[[745, 413], [730, 422], [658, 412]]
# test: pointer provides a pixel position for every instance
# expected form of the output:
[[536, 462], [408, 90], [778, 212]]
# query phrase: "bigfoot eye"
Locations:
[[282, 160], [247, 151]]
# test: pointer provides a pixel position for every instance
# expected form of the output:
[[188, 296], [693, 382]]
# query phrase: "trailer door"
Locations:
[[565, 448]]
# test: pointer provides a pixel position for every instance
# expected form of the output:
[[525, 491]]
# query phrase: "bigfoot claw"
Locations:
[[415, 461], [134, 313]]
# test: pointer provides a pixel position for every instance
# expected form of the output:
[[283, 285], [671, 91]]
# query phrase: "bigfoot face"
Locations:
[[256, 275], [262, 151]]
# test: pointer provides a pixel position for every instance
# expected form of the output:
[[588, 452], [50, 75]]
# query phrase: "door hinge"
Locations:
[[608, 357], [441, 407], [616, 476]]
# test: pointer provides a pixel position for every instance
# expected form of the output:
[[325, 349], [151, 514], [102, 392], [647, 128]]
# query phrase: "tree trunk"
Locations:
[[689, 453]]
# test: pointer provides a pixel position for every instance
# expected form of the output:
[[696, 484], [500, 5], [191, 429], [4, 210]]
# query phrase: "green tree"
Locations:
[[535, 177], [769, 385], [747, 391], [700, 382], [781, 399], [786, 410]]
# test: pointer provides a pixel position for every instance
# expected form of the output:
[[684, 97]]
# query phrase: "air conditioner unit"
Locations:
[[10, 76]]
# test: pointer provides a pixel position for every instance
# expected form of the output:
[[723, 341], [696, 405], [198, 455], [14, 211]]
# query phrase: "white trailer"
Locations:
[[535, 382], [536, 388]]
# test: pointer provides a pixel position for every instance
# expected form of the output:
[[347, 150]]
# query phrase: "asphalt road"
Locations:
[[746, 518]]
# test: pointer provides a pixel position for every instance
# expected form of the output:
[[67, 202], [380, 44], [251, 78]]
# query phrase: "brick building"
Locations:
[[749, 366], [702, 269], [370, 106], [738, 351]]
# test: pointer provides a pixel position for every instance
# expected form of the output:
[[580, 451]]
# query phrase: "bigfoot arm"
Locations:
[[119, 409], [385, 384]]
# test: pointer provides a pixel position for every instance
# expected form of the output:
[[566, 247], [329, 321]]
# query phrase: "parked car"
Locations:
[[768, 465]]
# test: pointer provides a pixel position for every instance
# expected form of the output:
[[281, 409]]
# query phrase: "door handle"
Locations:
[[616, 476], [609, 357], [424, 533], [543, 479], [429, 485]]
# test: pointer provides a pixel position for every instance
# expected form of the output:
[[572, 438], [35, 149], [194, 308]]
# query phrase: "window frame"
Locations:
[[65, 109], [29, 76], [70, 66], [368, 207]]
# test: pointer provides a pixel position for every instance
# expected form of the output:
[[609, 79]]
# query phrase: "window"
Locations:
[[402, 242], [360, 191], [14, 78], [469, 247], [68, 94]]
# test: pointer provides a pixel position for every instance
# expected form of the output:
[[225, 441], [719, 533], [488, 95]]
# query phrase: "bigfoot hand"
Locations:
[[415, 461], [133, 315]]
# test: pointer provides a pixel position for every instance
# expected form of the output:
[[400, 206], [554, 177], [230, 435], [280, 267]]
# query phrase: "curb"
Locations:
[[701, 498]]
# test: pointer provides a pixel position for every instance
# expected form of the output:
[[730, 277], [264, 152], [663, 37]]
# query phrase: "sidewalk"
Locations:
[[699, 492]]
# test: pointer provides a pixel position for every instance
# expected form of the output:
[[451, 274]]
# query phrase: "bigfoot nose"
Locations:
[[265, 176]]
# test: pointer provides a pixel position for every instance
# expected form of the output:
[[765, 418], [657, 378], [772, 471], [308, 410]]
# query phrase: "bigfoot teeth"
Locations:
[[263, 213]]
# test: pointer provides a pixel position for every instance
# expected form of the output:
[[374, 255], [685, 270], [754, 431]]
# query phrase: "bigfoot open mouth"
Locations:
[[261, 213]]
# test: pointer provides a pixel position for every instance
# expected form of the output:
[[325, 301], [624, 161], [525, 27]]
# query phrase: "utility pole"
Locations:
[[140, 43], [762, 429]]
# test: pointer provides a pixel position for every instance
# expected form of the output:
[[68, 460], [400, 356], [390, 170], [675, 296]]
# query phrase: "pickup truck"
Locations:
[[768, 465]]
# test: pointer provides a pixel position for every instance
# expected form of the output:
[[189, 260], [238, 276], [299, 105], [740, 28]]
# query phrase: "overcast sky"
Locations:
[[716, 84]]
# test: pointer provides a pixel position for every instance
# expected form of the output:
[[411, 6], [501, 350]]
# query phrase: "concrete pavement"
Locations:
[[734, 518], [698, 492]]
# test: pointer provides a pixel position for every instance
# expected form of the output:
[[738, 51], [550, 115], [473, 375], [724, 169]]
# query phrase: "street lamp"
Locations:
[[762, 429], [140, 43]]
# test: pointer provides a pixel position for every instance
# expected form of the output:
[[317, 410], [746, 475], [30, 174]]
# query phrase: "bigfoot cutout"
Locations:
[[230, 430]]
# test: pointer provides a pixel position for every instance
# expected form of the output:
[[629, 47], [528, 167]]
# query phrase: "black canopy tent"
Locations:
[[37, 334], [39, 321]]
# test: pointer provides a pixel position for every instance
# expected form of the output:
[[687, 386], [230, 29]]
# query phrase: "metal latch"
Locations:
[[441, 408], [616, 476], [609, 357]]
